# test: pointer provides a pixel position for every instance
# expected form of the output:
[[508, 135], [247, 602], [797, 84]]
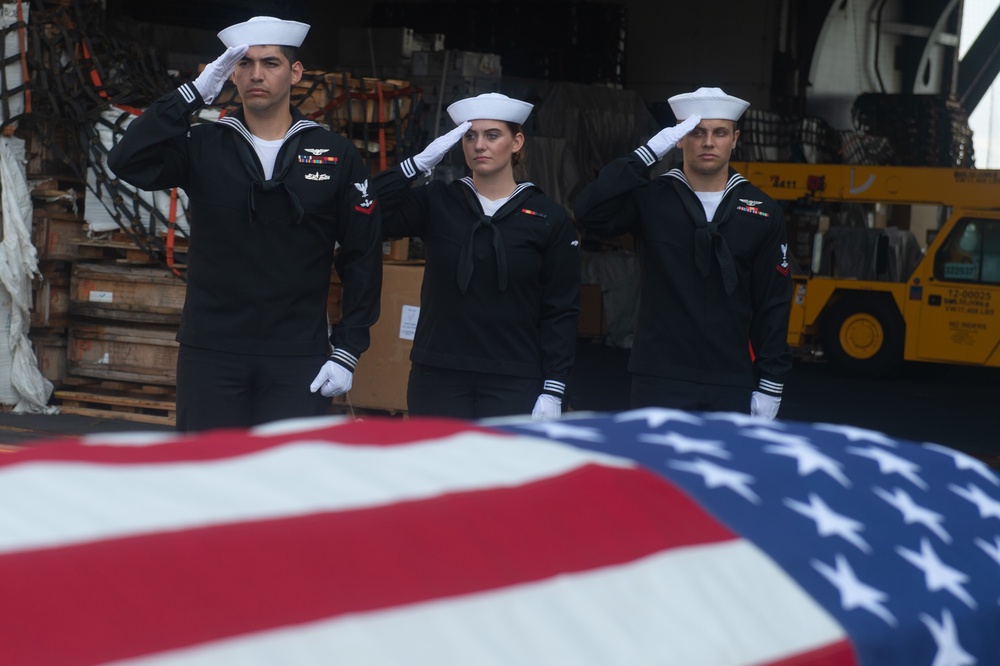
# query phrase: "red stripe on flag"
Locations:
[[837, 654], [220, 444], [134, 596]]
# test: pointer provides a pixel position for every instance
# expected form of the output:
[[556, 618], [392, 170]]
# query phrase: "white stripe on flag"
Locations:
[[724, 604], [48, 504]]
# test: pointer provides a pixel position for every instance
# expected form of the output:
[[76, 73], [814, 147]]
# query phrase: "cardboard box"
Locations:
[[397, 250], [335, 299], [382, 375], [593, 322]]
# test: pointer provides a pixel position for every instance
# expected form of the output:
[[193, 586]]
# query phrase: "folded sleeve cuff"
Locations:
[[554, 388], [647, 156], [771, 387], [409, 168], [346, 359]]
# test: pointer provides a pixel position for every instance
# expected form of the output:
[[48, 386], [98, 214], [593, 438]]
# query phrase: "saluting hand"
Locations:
[[666, 139], [435, 151], [209, 83]]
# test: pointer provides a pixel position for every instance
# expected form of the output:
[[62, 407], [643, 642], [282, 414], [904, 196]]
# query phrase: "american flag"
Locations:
[[642, 537]]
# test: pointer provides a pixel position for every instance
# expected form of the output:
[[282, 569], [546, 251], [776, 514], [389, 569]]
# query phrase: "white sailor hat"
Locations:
[[265, 30], [489, 106], [708, 103]]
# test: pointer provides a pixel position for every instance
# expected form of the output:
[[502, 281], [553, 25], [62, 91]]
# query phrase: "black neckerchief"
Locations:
[[283, 162], [466, 264], [708, 242]]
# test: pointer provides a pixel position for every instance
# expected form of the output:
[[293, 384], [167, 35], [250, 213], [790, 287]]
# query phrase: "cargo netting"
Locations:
[[85, 86]]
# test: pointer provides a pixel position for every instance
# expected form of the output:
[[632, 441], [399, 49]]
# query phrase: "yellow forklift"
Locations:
[[868, 296]]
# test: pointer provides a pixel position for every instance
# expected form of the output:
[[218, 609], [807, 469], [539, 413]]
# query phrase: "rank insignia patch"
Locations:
[[783, 265], [367, 204]]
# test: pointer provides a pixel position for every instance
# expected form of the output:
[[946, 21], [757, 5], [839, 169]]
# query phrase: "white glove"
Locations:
[[209, 83], [666, 139], [333, 379], [764, 406], [436, 149], [547, 407]]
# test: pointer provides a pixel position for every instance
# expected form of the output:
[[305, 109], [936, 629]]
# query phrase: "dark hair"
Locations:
[[517, 159], [290, 52]]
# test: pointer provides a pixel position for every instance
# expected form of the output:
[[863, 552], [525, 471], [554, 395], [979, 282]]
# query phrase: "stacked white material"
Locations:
[[101, 209], [29, 390]]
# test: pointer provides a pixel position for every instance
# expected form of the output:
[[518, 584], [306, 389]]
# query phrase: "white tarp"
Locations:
[[100, 210], [26, 388]]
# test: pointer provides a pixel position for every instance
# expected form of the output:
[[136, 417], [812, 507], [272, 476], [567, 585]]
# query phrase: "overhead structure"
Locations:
[[879, 46], [980, 66]]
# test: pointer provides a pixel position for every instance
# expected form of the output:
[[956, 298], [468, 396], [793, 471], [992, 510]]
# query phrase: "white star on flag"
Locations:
[[716, 476], [858, 434], [988, 507], [949, 652], [967, 462], [990, 549], [889, 463], [556, 429], [743, 420], [777, 437], [937, 574], [854, 593], [809, 458], [656, 416], [914, 513], [682, 444], [830, 523]]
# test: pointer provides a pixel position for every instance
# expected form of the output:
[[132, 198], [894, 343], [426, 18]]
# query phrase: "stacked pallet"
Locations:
[[104, 312]]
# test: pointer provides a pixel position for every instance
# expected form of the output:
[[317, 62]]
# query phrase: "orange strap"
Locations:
[[172, 220], [383, 164], [94, 76]]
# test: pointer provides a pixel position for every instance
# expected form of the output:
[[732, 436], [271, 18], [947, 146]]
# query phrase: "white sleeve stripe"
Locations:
[[344, 358], [646, 155], [188, 92], [771, 387], [409, 168], [554, 386]]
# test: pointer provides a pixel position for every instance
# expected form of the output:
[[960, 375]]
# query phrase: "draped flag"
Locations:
[[643, 537]]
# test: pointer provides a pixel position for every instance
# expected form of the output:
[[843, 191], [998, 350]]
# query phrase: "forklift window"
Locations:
[[991, 252], [960, 257]]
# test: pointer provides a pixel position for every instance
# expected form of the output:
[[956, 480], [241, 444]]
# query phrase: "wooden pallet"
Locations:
[[124, 405]]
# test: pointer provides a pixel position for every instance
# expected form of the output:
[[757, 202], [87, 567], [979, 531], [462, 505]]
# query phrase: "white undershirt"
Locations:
[[710, 201], [267, 151], [490, 206]]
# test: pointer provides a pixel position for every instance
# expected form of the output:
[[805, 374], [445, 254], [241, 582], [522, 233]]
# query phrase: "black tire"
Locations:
[[863, 335]]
